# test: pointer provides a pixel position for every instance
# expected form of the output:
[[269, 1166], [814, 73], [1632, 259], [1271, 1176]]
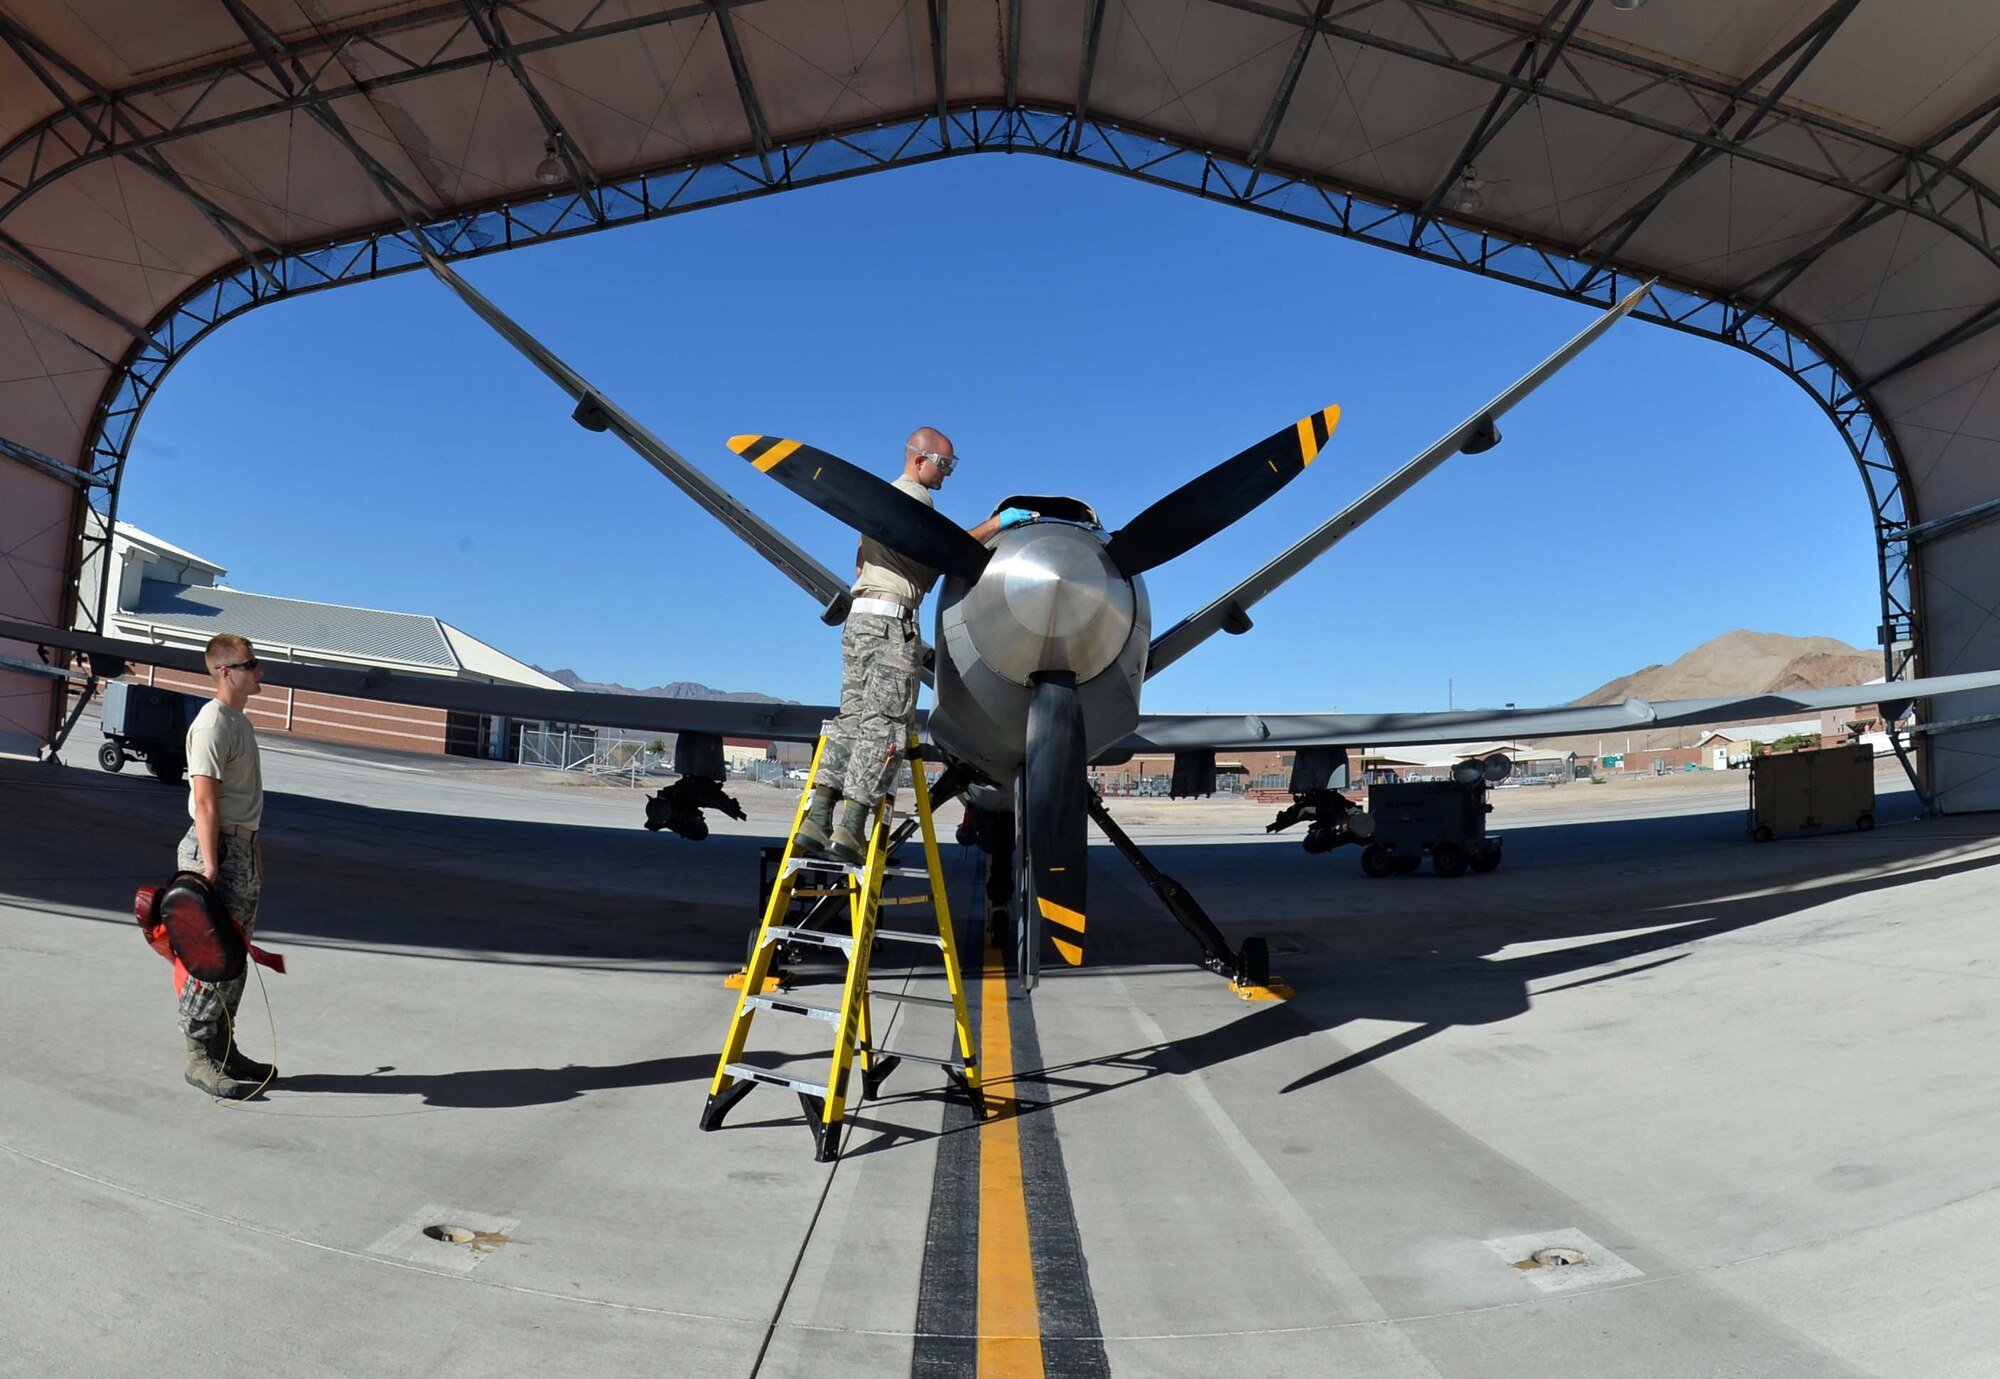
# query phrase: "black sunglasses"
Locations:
[[252, 664]]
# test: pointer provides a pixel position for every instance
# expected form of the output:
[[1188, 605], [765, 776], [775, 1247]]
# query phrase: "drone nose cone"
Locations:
[[1056, 587], [1050, 599]]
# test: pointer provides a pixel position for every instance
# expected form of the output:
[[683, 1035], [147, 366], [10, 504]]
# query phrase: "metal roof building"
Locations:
[[163, 594], [1813, 182], [292, 625]]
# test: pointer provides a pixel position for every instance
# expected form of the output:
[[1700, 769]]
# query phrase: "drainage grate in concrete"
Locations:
[[446, 1238], [1561, 1260]]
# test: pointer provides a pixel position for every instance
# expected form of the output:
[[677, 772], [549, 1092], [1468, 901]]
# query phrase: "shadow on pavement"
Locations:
[[505, 1087], [1415, 951]]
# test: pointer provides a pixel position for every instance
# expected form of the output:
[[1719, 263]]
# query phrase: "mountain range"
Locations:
[[679, 689]]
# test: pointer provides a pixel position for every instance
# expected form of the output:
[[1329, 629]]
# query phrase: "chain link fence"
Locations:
[[605, 752], [638, 759]]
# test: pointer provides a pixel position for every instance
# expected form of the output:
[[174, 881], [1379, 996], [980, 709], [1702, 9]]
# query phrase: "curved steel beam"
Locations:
[[1705, 137], [63, 143], [918, 137]]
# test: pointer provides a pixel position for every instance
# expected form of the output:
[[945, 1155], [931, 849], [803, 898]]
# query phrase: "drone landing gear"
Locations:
[[1248, 969]]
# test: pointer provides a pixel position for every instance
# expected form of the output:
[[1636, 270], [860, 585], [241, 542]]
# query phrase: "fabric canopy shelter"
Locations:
[[1813, 182]]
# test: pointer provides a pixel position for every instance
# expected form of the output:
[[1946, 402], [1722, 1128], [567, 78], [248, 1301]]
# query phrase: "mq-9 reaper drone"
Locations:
[[1043, 646]]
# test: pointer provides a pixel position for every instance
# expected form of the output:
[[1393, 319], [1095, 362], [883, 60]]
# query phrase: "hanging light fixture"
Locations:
[[1469, 199], [1626, 4], [550, 170]]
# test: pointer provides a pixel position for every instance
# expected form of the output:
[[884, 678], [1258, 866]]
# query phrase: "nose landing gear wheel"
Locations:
[[1027, 923]]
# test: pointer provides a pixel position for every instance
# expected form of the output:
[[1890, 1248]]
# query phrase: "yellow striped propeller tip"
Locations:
[[1315, 431], [742, 443]]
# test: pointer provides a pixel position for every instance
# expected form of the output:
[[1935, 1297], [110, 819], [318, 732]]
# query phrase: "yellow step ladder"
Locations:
[[802, 877]]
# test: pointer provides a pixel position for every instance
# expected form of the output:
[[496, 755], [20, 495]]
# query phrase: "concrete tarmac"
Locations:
[[1752, 1088]]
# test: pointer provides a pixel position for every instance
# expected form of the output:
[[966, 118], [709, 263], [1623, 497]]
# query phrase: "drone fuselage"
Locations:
[[1049, 601]]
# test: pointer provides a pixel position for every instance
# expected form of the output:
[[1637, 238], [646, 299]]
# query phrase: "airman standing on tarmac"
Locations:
[[226, 804]]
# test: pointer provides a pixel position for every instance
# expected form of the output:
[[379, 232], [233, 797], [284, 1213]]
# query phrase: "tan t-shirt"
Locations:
[[221, 743], [885, 572]]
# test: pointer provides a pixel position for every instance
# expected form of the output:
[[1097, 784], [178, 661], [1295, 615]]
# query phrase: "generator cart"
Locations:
[[146, 724], [1446, 818]]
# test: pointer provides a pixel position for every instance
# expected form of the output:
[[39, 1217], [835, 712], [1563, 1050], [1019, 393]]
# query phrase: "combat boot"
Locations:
[[811, 838], [849, 841], [242, 1068], [205, 1070]]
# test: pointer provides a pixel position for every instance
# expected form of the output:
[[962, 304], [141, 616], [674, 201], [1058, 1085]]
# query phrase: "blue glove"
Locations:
[[1014, 517]]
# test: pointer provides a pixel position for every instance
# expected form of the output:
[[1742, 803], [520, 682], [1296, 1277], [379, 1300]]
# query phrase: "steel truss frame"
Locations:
[[1519, 57], [923, 137], [1854, 159]]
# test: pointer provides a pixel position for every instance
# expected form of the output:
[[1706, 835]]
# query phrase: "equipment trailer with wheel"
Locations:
[[145, 724], [1445, 818]]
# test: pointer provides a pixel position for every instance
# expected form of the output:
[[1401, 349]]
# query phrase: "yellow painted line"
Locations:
[[766, 461], [1010, 1324], [1071, 953], [1308, 443]]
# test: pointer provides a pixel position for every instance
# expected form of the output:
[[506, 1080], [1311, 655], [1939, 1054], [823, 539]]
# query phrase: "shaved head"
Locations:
[[922, 453]]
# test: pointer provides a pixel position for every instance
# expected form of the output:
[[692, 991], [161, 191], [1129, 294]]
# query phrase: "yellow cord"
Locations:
[[229, 1023]]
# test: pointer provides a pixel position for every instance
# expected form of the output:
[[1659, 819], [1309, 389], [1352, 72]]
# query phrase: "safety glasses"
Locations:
[[945, 463]]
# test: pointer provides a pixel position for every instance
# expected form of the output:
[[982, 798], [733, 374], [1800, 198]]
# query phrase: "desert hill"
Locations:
[[1739, 662], [1745, 662]]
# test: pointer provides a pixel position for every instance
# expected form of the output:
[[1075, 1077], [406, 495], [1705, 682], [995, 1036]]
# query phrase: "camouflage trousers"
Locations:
[[201, 1004], [878, 702]]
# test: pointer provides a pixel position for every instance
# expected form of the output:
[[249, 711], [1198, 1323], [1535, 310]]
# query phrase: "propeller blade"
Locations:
[[1202, 507], [1057, 798], [870, 505]]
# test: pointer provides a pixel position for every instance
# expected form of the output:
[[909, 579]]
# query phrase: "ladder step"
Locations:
[[749, 1072], [799, 864], [955, 1064], [906, 936], [785, 1005], [941, 1001], [818, 938]]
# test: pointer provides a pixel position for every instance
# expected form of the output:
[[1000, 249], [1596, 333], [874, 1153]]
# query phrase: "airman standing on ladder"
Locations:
[[880, 651]]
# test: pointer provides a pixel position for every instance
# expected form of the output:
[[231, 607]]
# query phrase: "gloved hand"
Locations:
[[1014, 517]]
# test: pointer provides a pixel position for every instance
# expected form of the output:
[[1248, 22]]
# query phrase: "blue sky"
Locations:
[[1072, 332]]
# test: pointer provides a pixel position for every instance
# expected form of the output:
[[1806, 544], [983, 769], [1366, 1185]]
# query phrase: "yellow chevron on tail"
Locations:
[[1072, 952]]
